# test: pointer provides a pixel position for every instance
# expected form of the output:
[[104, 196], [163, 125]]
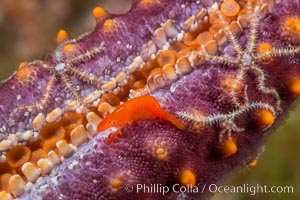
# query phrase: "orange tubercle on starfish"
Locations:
[[148, 3], [69, 49], [264, 118], [228, 147], [264, 48], [187, 178], [99, 13], [22, 64], [253, 163], [62, 36], [294, 86], [25, 74], [230, 84], [291, 28], [109, 25]]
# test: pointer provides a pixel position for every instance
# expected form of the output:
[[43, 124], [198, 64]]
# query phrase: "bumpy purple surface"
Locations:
[[87, 174]]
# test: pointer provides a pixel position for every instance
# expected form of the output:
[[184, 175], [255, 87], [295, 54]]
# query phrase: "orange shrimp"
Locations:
[[139, 108]]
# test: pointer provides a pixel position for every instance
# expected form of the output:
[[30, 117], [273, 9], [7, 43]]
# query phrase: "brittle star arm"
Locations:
[[262, 87], [239, 79], [228, 126], [278, 53], [252, 36], [226, 121], [229, 34], [220, 59], [87, 55], [41, 104], [40, 63], [70, 88], [216, 118], [83, 76]]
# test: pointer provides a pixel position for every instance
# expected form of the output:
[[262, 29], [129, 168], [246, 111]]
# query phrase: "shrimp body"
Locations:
[[139, 108]]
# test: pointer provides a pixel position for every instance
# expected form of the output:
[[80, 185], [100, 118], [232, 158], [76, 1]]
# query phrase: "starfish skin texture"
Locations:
[[188, 92]]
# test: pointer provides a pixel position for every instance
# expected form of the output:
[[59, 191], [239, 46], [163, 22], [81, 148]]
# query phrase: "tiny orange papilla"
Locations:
[[139, 108]]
